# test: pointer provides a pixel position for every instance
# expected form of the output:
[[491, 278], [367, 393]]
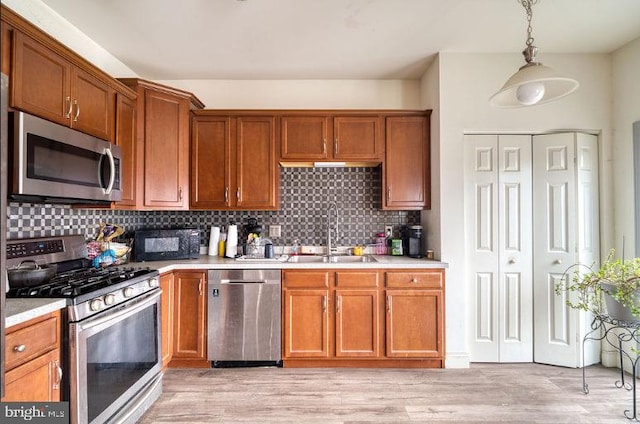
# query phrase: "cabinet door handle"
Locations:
[[200, 288], [337, 304], [75, 118], [180, 194], [324, 303], [238, 194], [226, 194], [324, 146], [20, 348], [56, 384], [388, 305], [335, 146], [389, 194], [69, 108]]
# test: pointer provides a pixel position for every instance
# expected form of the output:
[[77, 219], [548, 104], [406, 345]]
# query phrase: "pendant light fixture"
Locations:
[[534, 83]]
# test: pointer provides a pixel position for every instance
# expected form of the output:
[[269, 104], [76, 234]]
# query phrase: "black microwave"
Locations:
[[166, 244]]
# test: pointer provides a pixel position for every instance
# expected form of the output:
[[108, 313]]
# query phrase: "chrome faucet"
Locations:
[[333, 206]]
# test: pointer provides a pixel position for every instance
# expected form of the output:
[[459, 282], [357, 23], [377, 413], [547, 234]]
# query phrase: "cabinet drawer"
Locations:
[[357, 279], [28, 342], [431, 279], [306, 279]]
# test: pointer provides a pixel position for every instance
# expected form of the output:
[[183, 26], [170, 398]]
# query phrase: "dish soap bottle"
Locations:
[[295, 249]]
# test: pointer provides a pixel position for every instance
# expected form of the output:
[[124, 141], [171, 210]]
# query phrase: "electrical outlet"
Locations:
[[388, 230], [275, 231]]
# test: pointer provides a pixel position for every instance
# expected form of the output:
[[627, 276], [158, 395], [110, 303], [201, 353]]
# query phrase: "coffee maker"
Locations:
[[412, 241]]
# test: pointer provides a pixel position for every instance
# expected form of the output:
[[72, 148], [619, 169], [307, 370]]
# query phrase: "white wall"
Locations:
[[626, 111], [45, 18], [303, 94], [466, 83]]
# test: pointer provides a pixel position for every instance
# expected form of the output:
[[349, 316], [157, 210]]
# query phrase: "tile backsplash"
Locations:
[[304, 199]]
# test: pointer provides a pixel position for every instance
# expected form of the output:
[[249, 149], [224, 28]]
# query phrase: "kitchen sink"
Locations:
[[331, 259]]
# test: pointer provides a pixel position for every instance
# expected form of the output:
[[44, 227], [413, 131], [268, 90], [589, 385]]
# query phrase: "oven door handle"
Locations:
[[126, 310]]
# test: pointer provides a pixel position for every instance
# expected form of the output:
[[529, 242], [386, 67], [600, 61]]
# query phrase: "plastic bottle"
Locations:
[[221, 244], [295, 249]]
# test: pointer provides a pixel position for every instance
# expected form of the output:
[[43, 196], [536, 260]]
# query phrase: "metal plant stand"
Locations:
[[602, 328]]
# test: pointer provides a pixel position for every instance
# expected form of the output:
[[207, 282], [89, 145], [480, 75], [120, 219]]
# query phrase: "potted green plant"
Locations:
[[616, 281]]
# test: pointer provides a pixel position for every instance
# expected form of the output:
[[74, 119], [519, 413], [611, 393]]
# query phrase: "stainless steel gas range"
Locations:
[[112, 352]]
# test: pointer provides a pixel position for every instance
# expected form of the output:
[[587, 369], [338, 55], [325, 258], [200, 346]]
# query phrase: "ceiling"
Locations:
[[336, 39]]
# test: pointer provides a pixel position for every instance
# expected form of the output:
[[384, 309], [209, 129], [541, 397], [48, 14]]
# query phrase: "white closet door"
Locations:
[[515, 262], [498, 229], [554, 198]]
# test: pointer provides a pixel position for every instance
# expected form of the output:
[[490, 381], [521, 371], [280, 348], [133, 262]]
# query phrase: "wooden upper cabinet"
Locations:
[[257, 180], [47, 85], [233, 162], [210, 162], [357, 138], [93, 105], [162, 145], [40, 81], [126, 140], [304, 137], [406, 182], [331, 136], [5, 48], [166, 150]]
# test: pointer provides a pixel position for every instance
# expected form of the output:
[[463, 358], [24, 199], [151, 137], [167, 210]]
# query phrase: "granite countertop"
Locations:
[[214, 262], [21, 310]]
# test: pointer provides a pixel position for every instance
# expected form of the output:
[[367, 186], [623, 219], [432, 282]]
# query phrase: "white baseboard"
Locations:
[[457, 360]]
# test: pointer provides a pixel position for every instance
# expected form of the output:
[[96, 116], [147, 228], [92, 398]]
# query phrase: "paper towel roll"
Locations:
[[232, 241], [214, 238]]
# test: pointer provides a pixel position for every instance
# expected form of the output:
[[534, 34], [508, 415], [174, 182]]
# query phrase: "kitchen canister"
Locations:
[[232, 241], [214, 239]]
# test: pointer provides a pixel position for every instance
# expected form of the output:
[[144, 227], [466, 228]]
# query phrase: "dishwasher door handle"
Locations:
[[243, 282]]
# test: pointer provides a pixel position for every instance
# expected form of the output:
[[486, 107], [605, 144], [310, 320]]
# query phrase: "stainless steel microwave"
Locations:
[[56, 164], [166, 244]]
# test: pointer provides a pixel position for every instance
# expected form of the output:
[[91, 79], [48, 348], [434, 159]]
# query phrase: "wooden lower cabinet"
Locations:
[[32, 352], [363, 318], [413, 327], [189, 319], [167, 305]]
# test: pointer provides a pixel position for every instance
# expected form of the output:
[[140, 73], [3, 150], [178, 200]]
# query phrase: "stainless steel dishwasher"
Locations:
[[244, 317]]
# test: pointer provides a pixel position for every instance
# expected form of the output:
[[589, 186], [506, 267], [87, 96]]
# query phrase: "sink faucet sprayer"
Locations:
[[335, 208]]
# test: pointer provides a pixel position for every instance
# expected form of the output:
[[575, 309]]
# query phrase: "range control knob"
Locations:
[[153, 282], [96, 304], [110, 299], [128, 291]]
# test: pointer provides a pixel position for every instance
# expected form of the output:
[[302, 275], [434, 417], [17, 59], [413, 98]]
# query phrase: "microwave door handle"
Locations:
[[112, 175]]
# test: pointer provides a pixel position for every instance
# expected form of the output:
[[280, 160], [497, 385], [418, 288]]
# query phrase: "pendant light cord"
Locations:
[[527, 4]]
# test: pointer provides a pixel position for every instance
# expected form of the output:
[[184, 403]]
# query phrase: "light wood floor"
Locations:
[[488, 393]]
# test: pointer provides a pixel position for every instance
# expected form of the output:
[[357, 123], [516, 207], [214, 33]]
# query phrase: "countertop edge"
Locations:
[[22, 310], [205, 262]]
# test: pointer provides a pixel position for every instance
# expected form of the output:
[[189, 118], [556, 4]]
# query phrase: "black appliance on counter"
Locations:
[[412, 241], [111, 350], [166, 244]]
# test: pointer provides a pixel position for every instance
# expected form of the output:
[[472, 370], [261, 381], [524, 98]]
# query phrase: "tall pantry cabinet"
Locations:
[[531, 212]]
